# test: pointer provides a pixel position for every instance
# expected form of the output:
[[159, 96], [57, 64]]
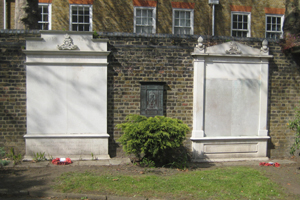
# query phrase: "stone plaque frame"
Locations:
[[66, 87], [152, 99], [240, 73]]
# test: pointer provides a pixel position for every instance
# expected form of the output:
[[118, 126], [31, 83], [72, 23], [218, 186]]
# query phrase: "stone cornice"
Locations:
[[67, 52]]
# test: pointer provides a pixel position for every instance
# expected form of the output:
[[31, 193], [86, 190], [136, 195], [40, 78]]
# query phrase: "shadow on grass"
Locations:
[[15, 182]]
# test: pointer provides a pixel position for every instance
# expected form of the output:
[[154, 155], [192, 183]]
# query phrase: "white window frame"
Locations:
[[153, 17], [191, 18], [248, 25], [281, 25], [90, 15], [49, 14]]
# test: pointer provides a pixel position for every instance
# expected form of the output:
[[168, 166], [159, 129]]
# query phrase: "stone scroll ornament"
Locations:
[[233, 49], [68, 44]]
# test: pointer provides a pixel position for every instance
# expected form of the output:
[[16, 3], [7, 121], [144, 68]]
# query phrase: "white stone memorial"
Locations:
[[66, 82], [230, 102]]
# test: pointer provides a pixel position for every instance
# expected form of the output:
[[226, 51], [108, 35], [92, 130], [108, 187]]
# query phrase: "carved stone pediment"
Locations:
[[68, 44]]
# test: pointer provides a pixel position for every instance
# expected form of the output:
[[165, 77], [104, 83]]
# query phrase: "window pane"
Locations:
[[80, 11], [181, 15], [150, 13], [74, 18], [273, 20], [138, 12], [188, 22], [150, 21], [182, 22], [144, 21], [138, 21], [46, 25], [80, 18], [274, 27], [176, 14], [240, 26], [144, 29], [188, 15], [138, 29], [234, 18], [74, 10], [86, 19], [188, 30], [45, 9], [74, 27], [268, 19], [245, 18], [245, 26], [86, 27], [176, 22], [80, 27], [234, 25], [240, 18], [278, 28], [45, 18], [144, 13]]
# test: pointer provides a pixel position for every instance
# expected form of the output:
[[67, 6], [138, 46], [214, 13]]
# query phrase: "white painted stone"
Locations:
[[66, 96], [230, 102]]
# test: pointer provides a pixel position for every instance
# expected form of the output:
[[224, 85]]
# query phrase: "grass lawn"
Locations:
[[222, 183]]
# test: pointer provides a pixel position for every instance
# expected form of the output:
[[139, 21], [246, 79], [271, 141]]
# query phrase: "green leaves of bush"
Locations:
[[153, 137]]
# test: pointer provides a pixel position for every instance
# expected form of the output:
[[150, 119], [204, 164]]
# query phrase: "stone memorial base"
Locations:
[[74, 146], [211, 149]]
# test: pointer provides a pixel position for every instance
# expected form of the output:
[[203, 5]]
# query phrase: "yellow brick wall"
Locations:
[[223, 15], [10, 13], [117, 15], [113, 15], [60, 15]]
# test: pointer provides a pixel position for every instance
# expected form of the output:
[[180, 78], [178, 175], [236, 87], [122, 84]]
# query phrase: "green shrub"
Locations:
[[295, 125], [156, 138], [2, 154]]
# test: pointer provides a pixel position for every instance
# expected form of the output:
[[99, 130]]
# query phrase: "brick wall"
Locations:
[[284, 96], [13, 90], [117, 16], [142, 59], [223, 15], [134, 59]]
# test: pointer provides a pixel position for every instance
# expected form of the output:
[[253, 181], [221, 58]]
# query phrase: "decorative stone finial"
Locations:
[[200, 46], [233, 49], [68, 44], [264, 47]]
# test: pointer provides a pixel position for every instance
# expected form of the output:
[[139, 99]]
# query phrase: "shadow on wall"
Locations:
[[118, 22], [113, 69]]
